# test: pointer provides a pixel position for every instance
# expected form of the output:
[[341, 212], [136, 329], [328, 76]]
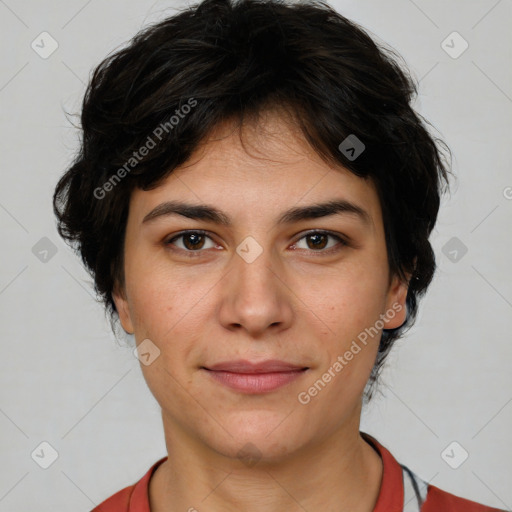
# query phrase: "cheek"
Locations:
[[350, 306], [152, 310], [161, 297], [171, 308], [348, 302]]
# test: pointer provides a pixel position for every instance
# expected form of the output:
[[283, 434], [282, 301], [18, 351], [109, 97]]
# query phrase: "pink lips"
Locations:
[[261, 377]]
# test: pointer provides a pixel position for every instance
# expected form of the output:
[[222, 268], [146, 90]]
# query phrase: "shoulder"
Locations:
[[119, 502], [439, 500], [402, 490], [134, 498]]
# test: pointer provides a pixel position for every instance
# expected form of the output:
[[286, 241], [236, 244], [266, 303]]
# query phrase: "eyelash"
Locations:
[[341, 242]]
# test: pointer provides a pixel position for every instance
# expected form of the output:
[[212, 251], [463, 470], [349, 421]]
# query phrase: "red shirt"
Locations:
[[400, 491]]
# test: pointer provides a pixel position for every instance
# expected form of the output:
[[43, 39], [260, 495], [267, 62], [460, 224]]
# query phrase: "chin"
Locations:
[[257, 452], [259, 438]]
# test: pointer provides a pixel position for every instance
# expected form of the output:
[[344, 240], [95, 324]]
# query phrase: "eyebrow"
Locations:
[[296, 214]]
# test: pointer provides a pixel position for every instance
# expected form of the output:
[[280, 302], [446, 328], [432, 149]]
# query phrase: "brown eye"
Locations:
[[318, 241], [192, 241]]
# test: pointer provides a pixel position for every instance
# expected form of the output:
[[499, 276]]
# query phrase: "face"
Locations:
[[240, 281]]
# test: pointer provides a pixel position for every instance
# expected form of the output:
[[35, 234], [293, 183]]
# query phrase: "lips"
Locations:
[[244, 366], [255, 378]]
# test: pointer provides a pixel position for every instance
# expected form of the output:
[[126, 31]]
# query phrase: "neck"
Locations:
[[341, 474]]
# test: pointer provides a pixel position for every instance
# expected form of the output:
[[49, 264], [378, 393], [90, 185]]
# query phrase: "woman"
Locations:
[[254, 198]]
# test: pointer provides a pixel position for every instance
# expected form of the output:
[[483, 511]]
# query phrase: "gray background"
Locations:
[[66, 381]]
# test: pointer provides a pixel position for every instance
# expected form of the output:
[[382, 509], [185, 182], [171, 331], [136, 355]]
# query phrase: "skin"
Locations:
[[295, 302]]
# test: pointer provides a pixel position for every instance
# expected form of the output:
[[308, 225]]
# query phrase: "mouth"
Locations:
[[255, 378]]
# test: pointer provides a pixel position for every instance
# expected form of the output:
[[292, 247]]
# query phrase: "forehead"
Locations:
[[264, 166]]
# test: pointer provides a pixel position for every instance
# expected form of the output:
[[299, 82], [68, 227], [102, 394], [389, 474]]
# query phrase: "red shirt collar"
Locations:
[[391, 494]]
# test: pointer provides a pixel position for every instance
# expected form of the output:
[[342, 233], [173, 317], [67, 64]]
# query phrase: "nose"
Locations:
[[255, 297]]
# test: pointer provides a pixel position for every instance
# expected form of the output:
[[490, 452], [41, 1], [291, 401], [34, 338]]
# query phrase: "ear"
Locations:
[[119, 298], [396, 310]]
